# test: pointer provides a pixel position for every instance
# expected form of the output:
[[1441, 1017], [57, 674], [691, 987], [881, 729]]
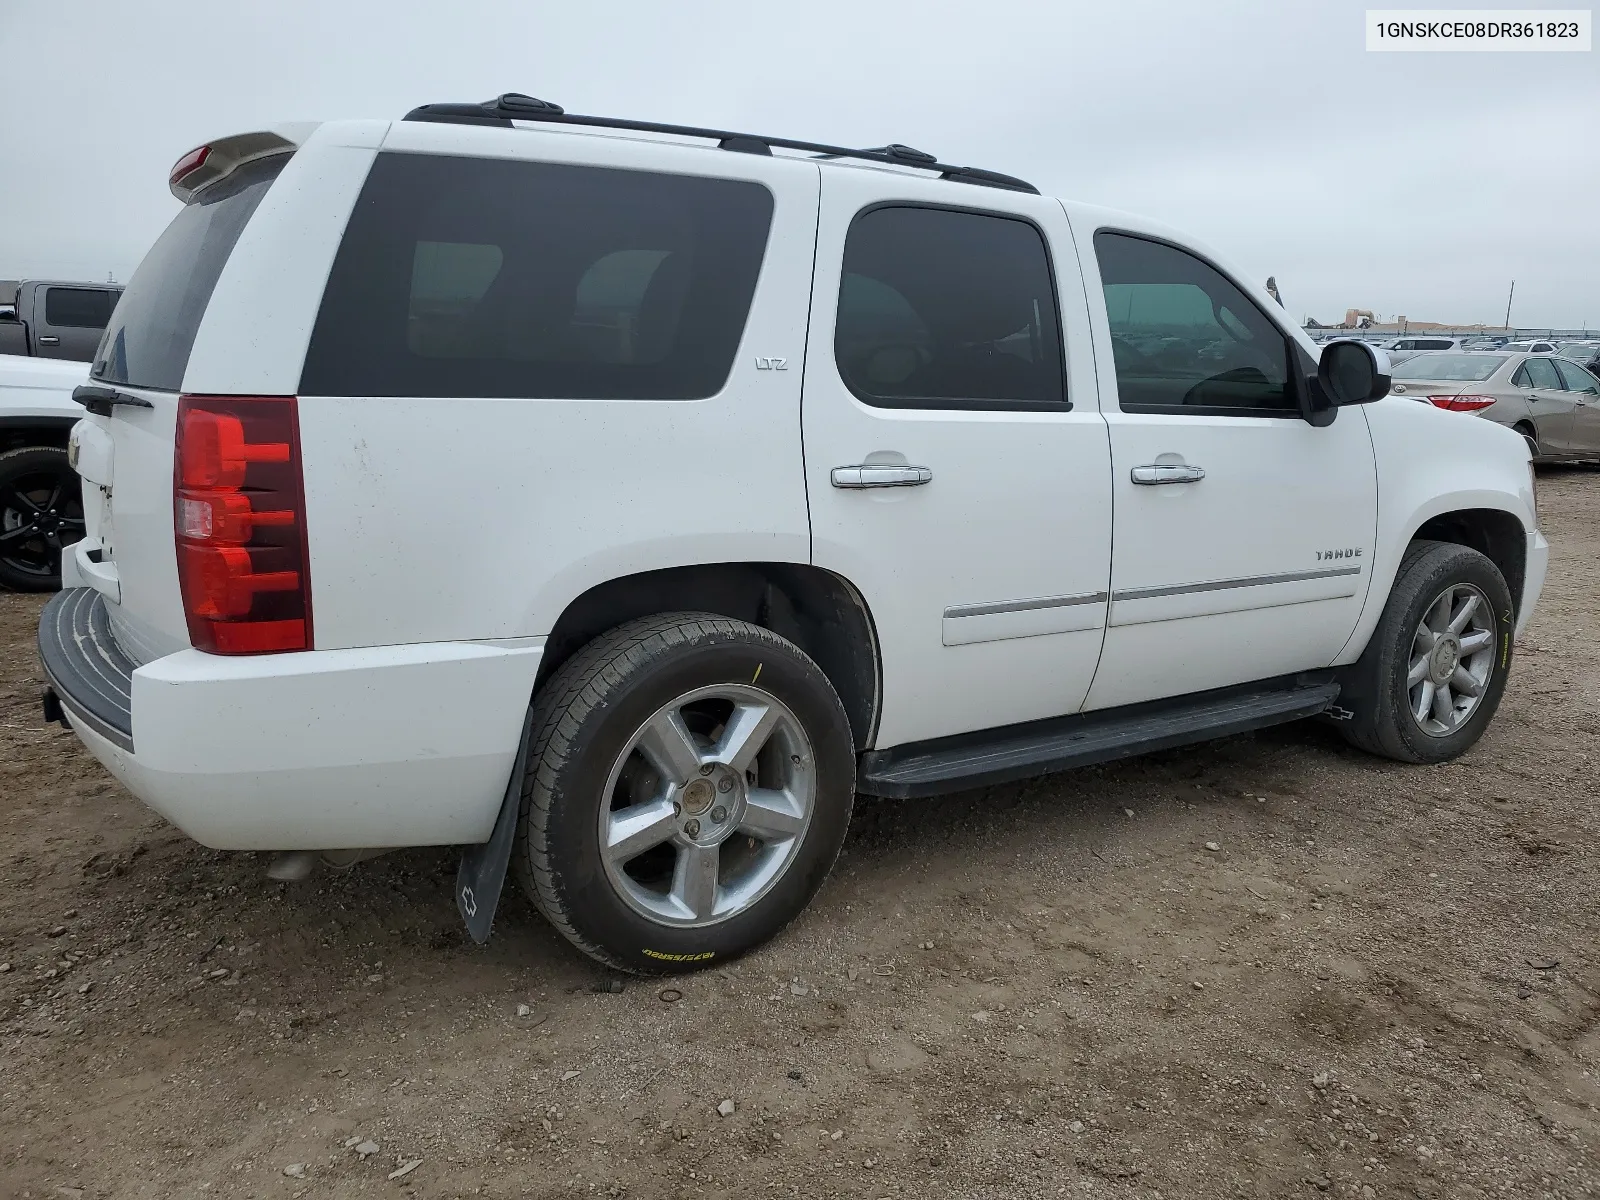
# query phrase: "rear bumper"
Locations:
[[86, 668], [329, 749]]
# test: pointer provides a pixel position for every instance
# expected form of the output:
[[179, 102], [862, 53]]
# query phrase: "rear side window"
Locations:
[[940, 308], [152, 329], [77, 308], [1184, 338], [1539, 373], [462, 277]]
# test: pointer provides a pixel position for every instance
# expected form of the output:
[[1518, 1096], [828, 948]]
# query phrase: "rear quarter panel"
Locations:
[[439, 519], [1432, 462]]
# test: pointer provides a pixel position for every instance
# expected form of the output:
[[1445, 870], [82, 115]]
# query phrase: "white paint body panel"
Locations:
[[1227, 556], [398, 746], [1019, 507], [40, 387], [1470, 463]]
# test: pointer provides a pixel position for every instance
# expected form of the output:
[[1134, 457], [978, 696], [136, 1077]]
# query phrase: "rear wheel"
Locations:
[[1531, 436], [1433, 674], [688, 789], [41, 513]]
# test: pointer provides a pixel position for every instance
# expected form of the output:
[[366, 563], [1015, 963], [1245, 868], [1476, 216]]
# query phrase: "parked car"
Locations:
[[1402, 349], [41, 507], [1554, 403], [50, 319], [1585, 354], [1063, 488], [1529, 347]]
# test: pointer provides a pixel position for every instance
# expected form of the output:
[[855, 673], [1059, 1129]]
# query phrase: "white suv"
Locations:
[[618, 500]]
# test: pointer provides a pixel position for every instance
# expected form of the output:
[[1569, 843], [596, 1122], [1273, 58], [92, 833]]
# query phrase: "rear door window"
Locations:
[[1541, 373], [153, 327], [940, 308], [78, 308], [462, 277], [1576, 378]]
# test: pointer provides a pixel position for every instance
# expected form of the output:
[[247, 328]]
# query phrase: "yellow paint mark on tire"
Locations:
[[757, 675]]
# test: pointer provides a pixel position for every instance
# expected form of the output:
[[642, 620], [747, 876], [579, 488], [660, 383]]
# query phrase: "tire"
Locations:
[[603, 743], [1377, 688], [41, 511]]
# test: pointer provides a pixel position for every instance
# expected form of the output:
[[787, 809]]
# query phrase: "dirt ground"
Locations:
[[1383, 981]]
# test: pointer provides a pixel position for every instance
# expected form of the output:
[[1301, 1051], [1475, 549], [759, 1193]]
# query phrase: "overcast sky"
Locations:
[[1403, 183]]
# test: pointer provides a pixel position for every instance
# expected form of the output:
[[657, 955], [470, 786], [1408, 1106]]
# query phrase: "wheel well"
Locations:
[[18, 433], [1497, 535], [814, 609]]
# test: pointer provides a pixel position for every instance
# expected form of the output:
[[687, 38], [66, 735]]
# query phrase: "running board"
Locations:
[[991, 756]]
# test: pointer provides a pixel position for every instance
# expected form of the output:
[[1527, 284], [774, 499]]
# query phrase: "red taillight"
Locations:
[[191, 161], [239, 512], [1461, 403], [217, 454]]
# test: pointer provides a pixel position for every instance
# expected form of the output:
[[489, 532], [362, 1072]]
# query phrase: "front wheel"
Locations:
[[1433, 674], [688, 789]]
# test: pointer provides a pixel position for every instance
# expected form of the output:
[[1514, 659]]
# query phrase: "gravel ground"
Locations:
[[1381, 981]]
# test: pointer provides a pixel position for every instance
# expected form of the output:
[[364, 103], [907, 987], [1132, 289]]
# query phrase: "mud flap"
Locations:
[[483, 868]]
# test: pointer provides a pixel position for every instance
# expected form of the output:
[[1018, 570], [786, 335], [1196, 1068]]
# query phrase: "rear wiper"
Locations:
[[100, 400]]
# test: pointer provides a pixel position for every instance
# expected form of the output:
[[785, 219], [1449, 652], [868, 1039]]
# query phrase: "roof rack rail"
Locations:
[[514, 106]]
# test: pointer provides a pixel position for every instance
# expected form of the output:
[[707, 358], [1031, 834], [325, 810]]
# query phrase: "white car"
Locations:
[[41, 507], [620, 506], [1406, 348], [1529, 348]]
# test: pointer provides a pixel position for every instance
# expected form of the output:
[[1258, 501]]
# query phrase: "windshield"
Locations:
[[1457, 367]]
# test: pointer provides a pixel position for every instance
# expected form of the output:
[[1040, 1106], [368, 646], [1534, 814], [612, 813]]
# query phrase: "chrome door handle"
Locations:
[[49, 340], [879, 475], [1156, 473]]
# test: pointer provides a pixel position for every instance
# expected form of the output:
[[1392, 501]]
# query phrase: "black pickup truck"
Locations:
[[50, 319]]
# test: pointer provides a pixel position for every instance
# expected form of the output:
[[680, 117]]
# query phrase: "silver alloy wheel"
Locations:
[[1452, 658], [707, 805]]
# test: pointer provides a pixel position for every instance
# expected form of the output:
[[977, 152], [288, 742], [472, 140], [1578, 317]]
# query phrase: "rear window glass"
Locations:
[[1460, 367], [494, 278], [152, 329], [78, 308]]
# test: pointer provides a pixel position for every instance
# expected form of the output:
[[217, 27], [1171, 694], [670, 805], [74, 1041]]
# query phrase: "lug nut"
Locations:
[[677, 809], [719, 814], [692, 828], [725, 784], [707, 769]]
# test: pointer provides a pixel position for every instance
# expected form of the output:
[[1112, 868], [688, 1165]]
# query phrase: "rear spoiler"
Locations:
[[216, 160]]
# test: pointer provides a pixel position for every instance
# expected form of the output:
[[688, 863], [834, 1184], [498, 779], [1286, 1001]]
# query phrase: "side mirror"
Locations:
[[1352, 372]]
